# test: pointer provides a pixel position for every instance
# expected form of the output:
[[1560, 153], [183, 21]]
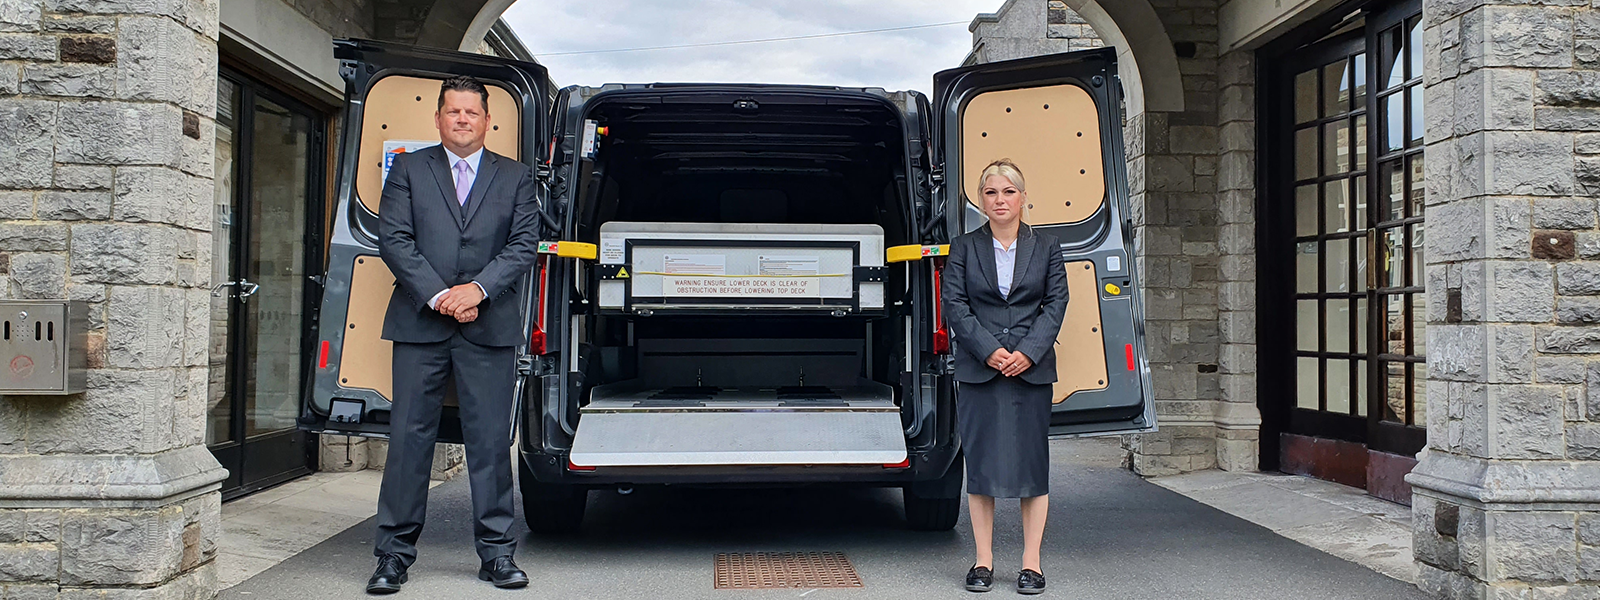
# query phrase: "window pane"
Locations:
[[1305, 210], [1361, 388], [1338, 385], [1336, 148], [1419, 273], [1306, 384], [1395, 324], [1361, 143], [1305, 268], [1336, 88], [1394, 112], [1305, 96], [1414, 49], [1393, 183], [1358, 188], [1419, 316], [1306, 325], [1419, 397], [1414, 93], [1338, 265], [1394, 392], [1418, 192], [1361, 325], [1391, 63], [1336, 209], [1360, 246], [1394, 251], [1360, 62], [1305, 153], [1338, 339]]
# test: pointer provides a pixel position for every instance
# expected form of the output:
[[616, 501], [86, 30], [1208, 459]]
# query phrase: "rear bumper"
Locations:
[[924, 465]]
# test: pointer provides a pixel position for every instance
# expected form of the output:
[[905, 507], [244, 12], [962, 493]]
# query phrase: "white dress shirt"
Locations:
[[472, 176], [1005, 266]]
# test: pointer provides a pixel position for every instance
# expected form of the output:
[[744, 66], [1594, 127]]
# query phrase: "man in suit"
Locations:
[[457, 228]]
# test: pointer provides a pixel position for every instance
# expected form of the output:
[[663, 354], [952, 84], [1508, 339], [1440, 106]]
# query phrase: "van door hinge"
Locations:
[[543, 172], [525, 365]]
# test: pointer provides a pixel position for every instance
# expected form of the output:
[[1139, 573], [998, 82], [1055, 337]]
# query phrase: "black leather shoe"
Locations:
[[1030, 581], [503, 573], [390, 575], [980, 579]]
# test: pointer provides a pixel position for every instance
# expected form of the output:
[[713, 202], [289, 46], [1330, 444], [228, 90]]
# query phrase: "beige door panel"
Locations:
[[401, 108], [1052, 133], [1080, 348], [366, 359]]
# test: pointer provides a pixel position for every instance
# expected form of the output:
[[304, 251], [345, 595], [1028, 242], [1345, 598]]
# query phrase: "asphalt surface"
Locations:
[[1110, 535]]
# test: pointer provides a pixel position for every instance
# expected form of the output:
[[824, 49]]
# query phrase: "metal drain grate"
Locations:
[[789, 570]]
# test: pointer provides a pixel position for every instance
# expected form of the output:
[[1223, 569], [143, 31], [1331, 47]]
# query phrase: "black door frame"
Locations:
[[1277, 63], [248, 472]]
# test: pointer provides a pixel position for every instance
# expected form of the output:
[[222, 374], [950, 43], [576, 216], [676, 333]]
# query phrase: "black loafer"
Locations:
[[389, 576], [503, 573], [1030, 581], [980, 579]]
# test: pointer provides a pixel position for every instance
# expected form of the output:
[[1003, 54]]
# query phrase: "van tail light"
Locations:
[[1128, 350], [941, 333], [536, 343]]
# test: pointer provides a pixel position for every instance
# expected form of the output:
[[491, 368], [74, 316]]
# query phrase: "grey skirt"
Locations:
[[1005, 426]]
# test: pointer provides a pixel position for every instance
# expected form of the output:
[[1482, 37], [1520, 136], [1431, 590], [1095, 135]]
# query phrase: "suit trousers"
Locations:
[[484, 380]]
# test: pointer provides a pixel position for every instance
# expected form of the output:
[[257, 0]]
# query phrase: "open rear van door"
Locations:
[[1058, 118], [391, 94]]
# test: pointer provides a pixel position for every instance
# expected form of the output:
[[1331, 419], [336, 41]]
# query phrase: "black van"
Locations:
[[739, 283]]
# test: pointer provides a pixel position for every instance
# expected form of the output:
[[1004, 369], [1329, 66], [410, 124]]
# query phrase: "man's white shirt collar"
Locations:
[[472, 160]]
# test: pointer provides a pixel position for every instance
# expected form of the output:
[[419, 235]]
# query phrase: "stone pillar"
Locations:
[[1506, 496], [1238, 420], [106, 138], [1173, 175]]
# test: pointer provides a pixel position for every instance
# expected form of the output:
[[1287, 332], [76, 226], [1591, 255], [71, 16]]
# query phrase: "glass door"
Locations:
[[1342, 280], [269, 182]]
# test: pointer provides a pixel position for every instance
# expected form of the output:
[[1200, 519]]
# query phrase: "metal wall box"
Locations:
[[42, 346]]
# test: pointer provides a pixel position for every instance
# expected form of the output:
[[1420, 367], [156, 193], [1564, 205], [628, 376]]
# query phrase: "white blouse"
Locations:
[[1005, 266]]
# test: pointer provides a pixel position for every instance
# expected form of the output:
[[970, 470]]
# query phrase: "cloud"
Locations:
[[900, 60]]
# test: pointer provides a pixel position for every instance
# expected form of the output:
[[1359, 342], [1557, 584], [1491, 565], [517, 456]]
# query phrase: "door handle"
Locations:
[[247, 289]]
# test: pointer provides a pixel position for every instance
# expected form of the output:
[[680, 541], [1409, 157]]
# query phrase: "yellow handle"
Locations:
[[914, 252], [570, 249]]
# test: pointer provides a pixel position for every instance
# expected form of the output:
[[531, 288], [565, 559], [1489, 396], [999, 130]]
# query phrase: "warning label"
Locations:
[[746, 287]]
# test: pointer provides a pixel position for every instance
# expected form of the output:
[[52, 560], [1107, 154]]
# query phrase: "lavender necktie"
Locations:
[[462, 187]]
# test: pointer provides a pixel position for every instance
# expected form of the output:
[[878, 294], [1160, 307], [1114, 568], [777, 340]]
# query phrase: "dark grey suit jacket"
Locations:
[[431, 243], [1027, 321]]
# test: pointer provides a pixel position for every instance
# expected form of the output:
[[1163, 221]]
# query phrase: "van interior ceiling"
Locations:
[[746, 158]]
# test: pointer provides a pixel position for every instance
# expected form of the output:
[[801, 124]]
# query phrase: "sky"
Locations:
[[896, 60]]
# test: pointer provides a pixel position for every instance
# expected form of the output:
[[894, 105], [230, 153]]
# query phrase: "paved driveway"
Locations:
[[1111, 535]]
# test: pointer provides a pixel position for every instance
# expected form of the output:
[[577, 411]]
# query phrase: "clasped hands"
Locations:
[[1008, 363], [461, 302]]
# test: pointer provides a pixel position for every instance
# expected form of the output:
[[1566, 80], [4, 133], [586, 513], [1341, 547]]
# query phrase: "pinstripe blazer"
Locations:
[[1027, 320]]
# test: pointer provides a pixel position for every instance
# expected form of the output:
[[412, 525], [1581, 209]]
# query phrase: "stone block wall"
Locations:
[[106, 153], [1504, 496], [1062, 23]]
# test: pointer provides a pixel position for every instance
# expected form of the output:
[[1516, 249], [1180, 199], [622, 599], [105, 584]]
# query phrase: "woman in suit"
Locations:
[[1005, 294]]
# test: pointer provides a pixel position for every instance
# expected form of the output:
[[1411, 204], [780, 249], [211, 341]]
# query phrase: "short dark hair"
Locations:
[[462, 83]]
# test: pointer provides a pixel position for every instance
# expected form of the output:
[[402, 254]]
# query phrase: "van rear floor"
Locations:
[[1111, 535]]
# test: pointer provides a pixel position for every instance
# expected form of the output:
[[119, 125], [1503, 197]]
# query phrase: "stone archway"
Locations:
[[449, 24]]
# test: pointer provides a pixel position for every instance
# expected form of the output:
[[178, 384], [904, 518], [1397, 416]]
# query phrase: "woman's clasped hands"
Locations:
[[1008, 363]]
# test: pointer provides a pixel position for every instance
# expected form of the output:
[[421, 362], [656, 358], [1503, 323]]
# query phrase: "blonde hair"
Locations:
[[1004, 168]]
